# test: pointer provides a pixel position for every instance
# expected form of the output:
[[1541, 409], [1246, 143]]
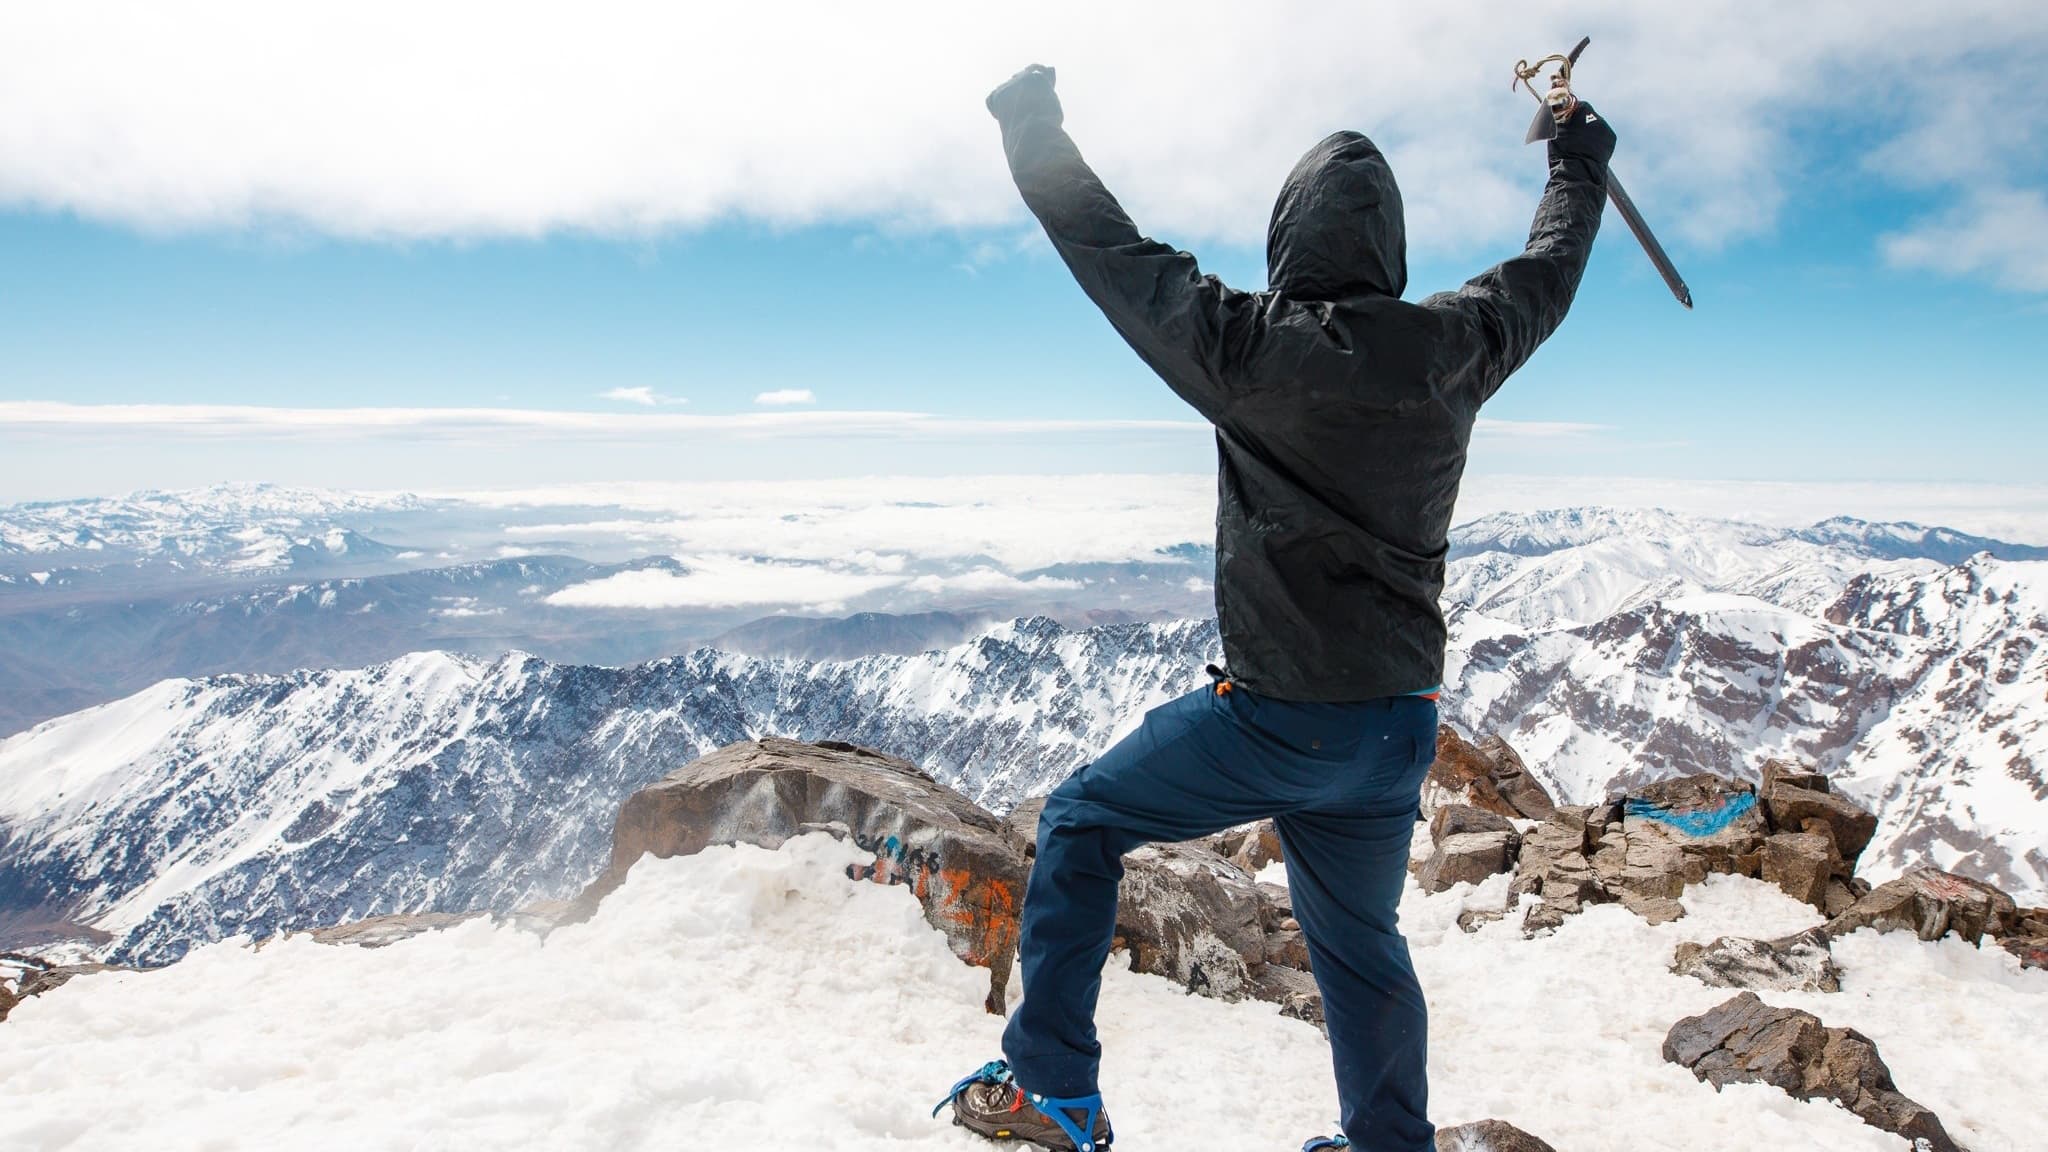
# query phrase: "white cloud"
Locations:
[[1019, 522], [1999, 233], [641, 395], [985, 581], [459, 119], [715, 581], [246, 421], [784, 397]]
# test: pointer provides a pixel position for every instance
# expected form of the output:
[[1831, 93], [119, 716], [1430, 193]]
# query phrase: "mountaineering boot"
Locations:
[[1323, 1143], [990, 1103]]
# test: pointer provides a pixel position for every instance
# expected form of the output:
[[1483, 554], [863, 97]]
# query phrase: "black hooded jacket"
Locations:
[[1342, 413]]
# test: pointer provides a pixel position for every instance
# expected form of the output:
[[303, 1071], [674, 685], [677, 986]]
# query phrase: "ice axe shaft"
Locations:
[[1557, 104], [1618, 196]]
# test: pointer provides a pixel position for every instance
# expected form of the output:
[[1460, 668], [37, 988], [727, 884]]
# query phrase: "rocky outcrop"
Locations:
[[1642, 849], [963, 865], [1745, 1040], [1930, 904], [1797, 963], [1488, 774], [1470, 844], [23, 977], [1194, 917], [1488, 1136], [1190, 912]]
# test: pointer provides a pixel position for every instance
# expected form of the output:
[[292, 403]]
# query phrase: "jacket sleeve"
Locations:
[[1187, 326], [1515, 306]]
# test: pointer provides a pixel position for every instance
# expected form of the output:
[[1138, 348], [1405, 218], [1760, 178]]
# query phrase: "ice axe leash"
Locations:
[[1557, 105]]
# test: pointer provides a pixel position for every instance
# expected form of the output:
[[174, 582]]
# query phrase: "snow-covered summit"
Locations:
[[746, 998]]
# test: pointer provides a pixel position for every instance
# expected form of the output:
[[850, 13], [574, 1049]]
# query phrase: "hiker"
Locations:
[[1343, 415]]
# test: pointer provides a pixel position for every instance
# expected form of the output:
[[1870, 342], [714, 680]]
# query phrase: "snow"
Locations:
[[746, 998]]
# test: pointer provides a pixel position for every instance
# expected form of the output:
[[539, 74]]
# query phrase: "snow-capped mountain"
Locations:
[[244, 525], [1663, 645], [198, 809]]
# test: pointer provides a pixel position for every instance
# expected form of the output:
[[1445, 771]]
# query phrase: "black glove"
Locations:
[[1028, 93], [1584, 135]]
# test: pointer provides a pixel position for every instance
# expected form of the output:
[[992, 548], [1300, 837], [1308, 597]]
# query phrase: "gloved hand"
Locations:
[[1028, 93], [1584, 135]]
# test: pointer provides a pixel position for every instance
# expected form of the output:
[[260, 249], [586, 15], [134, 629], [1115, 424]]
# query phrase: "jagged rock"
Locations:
[[1590, 820], [1744, 1040], [1798, 963], [380, 931], [965, 868], [1254, 846], [1276, 907], [2028, 937], [1713, 821], [1468, 857], [1930, 903], [1842, 895], [1653, 909], [1488, 1136], [1792, 775], [1193, 917], [36, 977], [1802, 864], [1457, 819], [1293, 990], [1022, 824], [1487, 775], [1288, 947], [1547, 847], [1847, 824], [2032, 950]]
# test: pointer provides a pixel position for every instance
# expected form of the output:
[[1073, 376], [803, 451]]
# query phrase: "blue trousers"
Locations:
[[1342, 782]]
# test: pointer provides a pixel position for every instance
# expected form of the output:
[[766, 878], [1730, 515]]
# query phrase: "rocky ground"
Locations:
[[1208, 916]]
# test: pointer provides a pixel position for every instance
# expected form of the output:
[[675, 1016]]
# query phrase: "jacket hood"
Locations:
[[1337, 228]]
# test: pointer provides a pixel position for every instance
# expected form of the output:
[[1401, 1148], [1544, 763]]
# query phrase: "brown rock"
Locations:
[[1293, 990], [964, 866], [1714, 822], [1456, 819], [1022, 824], [1792, 775], [1930, 904], [1468, 857], [380, 931], [1590, 820], [1488, 1136], [2032, 950], [1793, 809], [1259, 847], [1488, 775], [1288, 947], [1744, 1040], [1839, 898], [1653, 909], [1802, 864]]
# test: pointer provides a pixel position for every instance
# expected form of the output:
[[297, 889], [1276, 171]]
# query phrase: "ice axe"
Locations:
[[1558, 104]]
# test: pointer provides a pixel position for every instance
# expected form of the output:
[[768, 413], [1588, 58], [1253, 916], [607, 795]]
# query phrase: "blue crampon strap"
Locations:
[[1319, 1143], [1055, 1109], [993, 1072]]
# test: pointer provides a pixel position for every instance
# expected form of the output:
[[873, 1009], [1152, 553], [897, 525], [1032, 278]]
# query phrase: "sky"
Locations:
[[491, 245]]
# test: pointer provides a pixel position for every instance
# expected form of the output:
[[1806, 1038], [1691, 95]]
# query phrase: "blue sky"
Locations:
[[1854, 323]]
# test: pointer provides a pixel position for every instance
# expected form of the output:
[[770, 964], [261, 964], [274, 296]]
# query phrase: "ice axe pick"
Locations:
[[1556, 105]]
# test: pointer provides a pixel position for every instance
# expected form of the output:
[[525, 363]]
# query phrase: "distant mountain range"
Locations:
[[1609, 647]]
